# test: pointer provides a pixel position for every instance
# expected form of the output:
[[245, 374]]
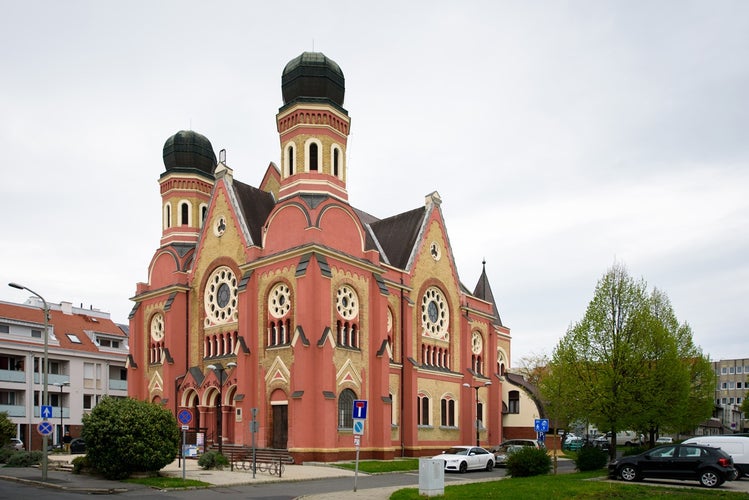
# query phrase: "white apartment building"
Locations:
[[86, 354]]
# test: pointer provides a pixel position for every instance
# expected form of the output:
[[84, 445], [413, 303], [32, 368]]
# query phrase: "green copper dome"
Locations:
[[313, 76], [187, 150]]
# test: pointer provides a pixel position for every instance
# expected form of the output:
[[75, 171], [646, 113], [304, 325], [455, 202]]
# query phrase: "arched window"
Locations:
[[313, 157], [184, 214], [447, 412], [480, 414], [290, 159], [167, 216], [335, 162], [513, 404], [346, 409], [203, 214], [422, 409]]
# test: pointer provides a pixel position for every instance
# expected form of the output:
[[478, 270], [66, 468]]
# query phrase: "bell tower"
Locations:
[[313, 128], [185, 186]]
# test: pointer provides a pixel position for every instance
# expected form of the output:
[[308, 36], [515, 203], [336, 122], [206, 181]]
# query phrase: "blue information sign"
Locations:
[[541, 425], [46, 411], [360, 408]]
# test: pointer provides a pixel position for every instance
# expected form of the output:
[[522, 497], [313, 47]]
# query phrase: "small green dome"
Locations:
[[188, 150]]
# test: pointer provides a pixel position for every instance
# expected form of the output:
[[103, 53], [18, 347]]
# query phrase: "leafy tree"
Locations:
[[124, 435], [628, 364], [533, 368], [7, 428], [745, 407]]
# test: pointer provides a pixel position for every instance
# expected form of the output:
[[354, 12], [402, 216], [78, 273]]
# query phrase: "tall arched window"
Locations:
[[422, 409], [290, 159], [346, 409], [167, 216], [184, 214], [335, 162], [313, 157], [513, 403]]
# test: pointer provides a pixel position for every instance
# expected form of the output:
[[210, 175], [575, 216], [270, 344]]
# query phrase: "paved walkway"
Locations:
[[61, 478]]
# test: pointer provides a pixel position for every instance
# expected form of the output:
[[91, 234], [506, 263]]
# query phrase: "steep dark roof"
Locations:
[[256, 205], [484, 292], [397, 235], [530, 389]]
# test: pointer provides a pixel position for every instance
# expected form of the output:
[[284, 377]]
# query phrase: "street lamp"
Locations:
[[219, 411], [45, 394], [478, 417], [62, 427]]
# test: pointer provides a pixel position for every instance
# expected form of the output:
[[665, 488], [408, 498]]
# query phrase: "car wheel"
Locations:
[[710, 479], [629, 473], [463, 467], [489, 466]]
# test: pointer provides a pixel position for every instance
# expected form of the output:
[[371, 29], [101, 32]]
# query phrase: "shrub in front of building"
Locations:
[[528, 461], [124, 436], [591, 458]]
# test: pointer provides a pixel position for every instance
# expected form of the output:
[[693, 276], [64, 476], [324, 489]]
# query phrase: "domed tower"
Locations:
[[186, 186], [313, 127]]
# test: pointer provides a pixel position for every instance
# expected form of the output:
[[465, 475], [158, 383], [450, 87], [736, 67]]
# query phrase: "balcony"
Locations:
[[117, 385], [14, 410]]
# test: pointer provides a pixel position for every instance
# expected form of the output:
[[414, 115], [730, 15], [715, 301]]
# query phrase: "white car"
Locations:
[[464, 458], [664, 440]]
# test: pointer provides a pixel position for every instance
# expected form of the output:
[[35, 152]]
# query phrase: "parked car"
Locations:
[[506, 448], [77, 445], [706, 464], [736, 445], [16, 444], [572, 444], [464, 458], [625, 438], [664, 440]]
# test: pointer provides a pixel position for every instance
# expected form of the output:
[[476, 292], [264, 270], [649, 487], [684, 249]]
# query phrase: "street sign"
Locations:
[[357, 441], [46, 411], [185, 427], [541, 437], [358, 426], [541, 425], [44, 428], [184, 416], [360, 408]]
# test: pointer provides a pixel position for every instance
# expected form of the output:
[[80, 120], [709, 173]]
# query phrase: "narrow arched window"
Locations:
[[346, 409], [335, 162], [184, 216], [313, 157], [291, 160], [168, 216]]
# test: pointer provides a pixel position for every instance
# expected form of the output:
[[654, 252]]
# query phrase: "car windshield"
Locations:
[[456, 451]]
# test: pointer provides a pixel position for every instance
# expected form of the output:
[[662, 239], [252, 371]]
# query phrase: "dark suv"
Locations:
[[710, 466]]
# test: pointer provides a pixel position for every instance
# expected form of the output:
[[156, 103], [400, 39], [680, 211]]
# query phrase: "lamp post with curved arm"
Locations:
[[45, 369], [478, 417], [219, 411]]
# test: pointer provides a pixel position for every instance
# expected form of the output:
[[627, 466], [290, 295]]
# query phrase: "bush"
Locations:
[[24, 459], [5, 454], [213, 460], [124, 435], [81, 464], [528, 461], [591, 458]]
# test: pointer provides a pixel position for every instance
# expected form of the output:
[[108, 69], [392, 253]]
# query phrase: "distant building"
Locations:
[[732, 389], [286, 300], [86, 353]]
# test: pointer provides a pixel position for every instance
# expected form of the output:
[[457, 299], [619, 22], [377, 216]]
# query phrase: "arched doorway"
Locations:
[[279, 419]]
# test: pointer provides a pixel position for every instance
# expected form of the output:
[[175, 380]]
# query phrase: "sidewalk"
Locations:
[[62, 479]]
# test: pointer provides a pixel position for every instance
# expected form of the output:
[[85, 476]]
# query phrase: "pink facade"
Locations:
[[304, 303]]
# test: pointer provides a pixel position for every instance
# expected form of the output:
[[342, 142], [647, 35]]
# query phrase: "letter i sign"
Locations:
[[360, 408]]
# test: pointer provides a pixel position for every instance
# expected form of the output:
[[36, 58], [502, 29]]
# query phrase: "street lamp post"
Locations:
[[62, 426], [478, 417], [45, 369], [219, 411]]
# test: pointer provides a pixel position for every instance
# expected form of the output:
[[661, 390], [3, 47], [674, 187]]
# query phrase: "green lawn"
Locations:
[[163, 482], [576, 485], [379, 466]]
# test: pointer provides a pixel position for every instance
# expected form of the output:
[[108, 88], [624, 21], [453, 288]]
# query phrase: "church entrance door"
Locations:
[[280, 426]]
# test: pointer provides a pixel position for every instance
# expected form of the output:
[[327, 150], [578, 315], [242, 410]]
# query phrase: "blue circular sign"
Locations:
[[184, 416], [44, 428]]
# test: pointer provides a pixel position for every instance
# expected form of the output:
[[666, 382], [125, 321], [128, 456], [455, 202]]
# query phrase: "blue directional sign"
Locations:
[[541, 425], [184, 416], [44, 428], [360, 408], [46, 411]]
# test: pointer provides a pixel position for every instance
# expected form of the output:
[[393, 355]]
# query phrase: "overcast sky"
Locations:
[[562, 136]]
